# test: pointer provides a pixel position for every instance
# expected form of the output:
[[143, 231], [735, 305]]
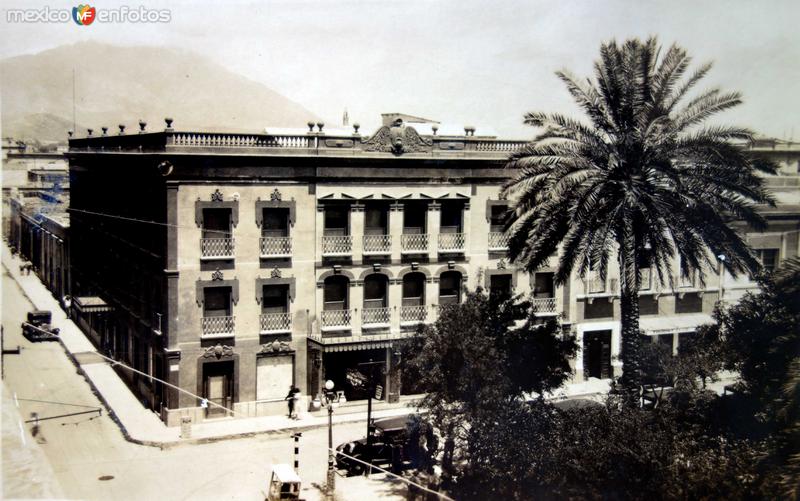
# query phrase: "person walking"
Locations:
[[291, 399]]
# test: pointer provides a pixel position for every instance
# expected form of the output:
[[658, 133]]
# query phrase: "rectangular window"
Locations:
[[275, 299], [452, 217], [217, 302], [414, 217], [375, 220], [337, 219], [544, 285], [275, 223], [768, 258], [216, 223], [500, 285], [498, 217]]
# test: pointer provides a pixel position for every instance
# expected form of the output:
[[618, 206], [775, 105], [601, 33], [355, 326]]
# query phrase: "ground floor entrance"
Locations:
[[597, 354], [218, 380], [356, 373]]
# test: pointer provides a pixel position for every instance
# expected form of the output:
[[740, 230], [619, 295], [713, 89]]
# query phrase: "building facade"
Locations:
[[237, 265]]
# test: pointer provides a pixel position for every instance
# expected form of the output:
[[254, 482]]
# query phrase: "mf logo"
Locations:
[[83, 15]]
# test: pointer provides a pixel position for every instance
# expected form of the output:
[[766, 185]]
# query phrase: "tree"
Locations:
[[761, 337], [479, 358], [642, 180]]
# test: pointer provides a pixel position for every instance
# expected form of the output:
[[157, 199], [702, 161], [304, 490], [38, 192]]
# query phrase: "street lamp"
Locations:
[[329, 399], [721, 258]]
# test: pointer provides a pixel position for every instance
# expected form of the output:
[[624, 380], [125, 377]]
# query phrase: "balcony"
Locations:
[[414, 243], [412, 315], [544, 305], [276, 323], [375, 317], [337, 245], [333, 320], [276, 247], [377, 244], [450, 241], [216, 248], [498, 241], [214, 327]]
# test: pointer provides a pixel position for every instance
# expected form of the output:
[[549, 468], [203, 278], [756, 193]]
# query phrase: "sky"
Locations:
[[462, 62]]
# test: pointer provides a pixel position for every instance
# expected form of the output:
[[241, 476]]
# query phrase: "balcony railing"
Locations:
[[413, 314], [337, 245], [498, 241], [276, 246], [598, 286], [216, 248], [377, 244], [451, 242], [414, 242], [375, 316], [544, 305], [218, 326], [333, 319], [276, 322]]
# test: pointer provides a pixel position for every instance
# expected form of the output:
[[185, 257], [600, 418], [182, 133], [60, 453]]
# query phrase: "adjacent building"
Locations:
[[237, 265]]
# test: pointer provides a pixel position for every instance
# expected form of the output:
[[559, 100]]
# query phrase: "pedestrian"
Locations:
[[292, 400]]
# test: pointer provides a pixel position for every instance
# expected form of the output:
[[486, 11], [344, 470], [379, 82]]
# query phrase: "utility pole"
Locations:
[[371, 387]]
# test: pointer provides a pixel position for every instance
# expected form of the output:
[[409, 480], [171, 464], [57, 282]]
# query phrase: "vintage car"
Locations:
[[38, 327], [393, 443]]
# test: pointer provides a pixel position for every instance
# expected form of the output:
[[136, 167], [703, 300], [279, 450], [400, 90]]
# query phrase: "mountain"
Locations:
[[115, 84]]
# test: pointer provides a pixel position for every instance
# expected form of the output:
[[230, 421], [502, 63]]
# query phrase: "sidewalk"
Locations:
[[139, 424]]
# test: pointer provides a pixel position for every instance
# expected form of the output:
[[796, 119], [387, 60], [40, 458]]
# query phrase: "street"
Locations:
[[90, 459]]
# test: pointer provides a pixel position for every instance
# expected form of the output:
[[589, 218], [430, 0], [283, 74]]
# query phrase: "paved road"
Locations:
[[82, 449]]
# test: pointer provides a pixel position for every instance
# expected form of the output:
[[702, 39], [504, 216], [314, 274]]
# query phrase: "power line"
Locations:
[[209, 402], [402, 479]]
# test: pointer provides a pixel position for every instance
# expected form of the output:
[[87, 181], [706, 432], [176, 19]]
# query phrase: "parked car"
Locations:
[[394, 442], [38, 327]]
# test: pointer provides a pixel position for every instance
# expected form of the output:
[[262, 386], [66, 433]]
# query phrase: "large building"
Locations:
[[236, 265]]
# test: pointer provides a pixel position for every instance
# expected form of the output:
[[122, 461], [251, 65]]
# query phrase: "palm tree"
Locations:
[[643, 180]]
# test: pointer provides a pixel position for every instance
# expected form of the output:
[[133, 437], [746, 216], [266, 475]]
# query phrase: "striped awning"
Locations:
[[673, 324], [354, 343], [91, 304]]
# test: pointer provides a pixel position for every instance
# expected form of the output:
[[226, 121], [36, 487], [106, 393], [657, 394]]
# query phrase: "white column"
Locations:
[[357, 231], [320, 227], [433, 224], [432, 297], [356, 303], [395, 303], [396, 230]]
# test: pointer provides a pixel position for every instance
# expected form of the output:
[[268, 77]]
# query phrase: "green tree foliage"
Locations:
[[640, 181], [478, 358], [762, 342]]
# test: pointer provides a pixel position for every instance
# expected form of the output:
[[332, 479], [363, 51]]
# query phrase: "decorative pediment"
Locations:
[[218, 351], [276, 347], [216, 196], [397, 139], [217, 275]]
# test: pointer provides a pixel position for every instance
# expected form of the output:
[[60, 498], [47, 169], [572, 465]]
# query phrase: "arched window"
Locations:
[[414, 289], [375, 291], [336, 293], [450, 288]]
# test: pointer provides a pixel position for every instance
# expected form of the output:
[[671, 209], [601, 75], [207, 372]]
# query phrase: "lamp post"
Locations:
[[721, 258], [330, 398]]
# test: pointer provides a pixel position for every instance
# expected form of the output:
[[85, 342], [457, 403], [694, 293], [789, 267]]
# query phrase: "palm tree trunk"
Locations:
[[629, 306], [629, 313]]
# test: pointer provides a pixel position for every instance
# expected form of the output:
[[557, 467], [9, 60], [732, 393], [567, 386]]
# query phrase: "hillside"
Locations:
[[123, 84]]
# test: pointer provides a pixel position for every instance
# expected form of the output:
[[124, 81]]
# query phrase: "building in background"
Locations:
[[235, 265]]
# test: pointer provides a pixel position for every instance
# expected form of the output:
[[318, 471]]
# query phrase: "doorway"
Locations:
[[218, 387], [597, 354]]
